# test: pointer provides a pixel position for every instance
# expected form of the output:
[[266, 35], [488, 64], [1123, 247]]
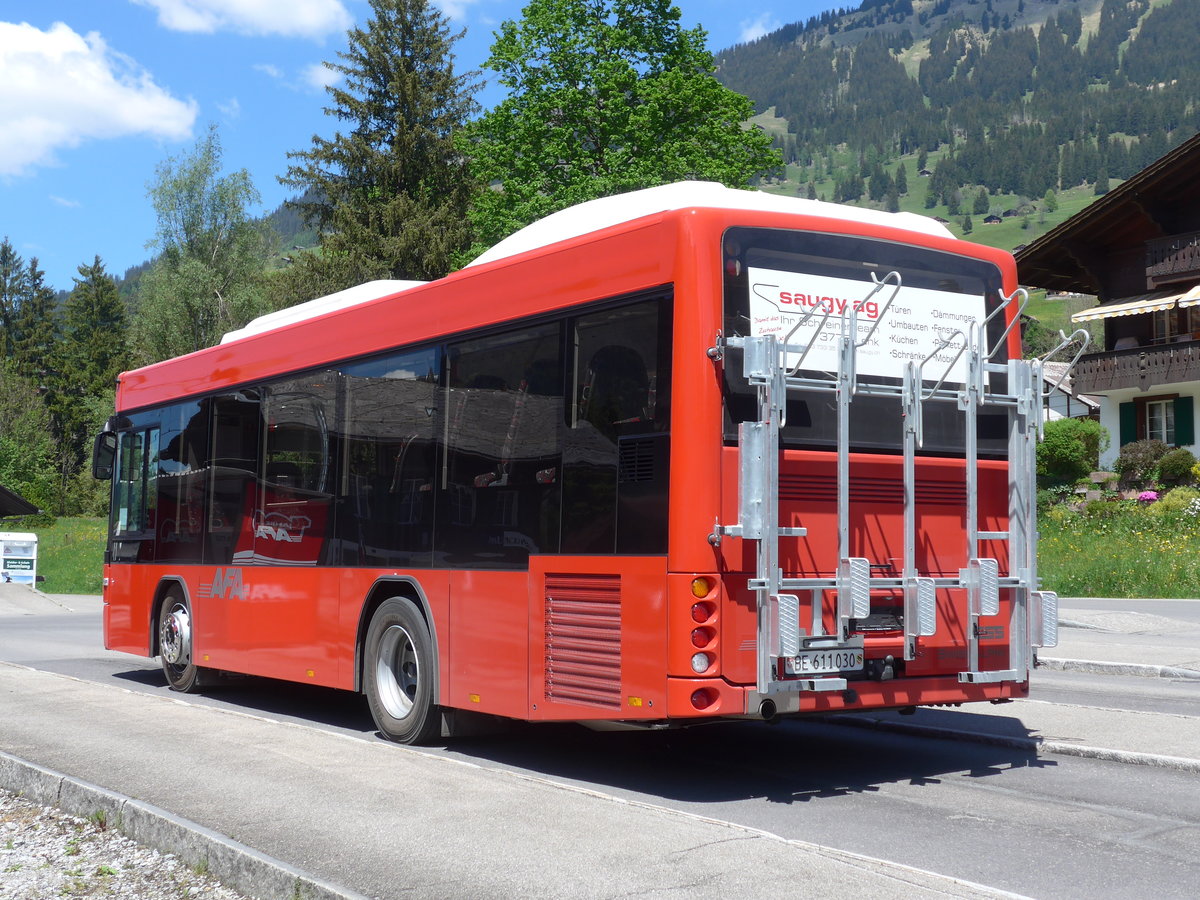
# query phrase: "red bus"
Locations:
[[684, 454]]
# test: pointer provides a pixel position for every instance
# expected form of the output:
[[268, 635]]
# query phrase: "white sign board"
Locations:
[[911, 329], [18, 557]]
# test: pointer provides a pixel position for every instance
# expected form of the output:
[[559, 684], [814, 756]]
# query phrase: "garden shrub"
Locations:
[[1103, 509], [1138, 462], [1175, 467], [1070, 450], [1061, 514], [1175, 502]]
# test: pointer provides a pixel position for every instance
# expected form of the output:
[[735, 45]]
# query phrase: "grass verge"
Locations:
[[1110, 549], [70, 554], [1120, 549]]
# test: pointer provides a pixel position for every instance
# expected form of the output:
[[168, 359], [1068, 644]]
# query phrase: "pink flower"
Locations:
[[1147, 496]]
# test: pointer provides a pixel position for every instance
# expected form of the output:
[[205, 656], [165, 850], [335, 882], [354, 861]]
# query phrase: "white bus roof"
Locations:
[[360, 293], [605, 212], [595, 215]]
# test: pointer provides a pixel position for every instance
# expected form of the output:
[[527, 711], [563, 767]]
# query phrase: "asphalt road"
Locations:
[[1041, 826]]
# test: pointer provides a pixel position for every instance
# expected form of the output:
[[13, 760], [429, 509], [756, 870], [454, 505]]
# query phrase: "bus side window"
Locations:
[[182, 476], [499, 487], [391, 417], [233, 471], [620, 378], [135, 497], [291, 514], [615, 389]]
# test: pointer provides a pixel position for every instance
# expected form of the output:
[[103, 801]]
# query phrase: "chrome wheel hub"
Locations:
[[397, 672], [175, 639]]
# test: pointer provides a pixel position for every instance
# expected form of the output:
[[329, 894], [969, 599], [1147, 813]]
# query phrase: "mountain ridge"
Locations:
[[1020, 98]]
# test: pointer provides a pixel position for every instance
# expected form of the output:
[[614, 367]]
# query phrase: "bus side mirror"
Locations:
[[104, 452]]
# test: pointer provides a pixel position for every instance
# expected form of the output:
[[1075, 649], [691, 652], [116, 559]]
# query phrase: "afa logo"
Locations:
[[226, 584], [278, 527]]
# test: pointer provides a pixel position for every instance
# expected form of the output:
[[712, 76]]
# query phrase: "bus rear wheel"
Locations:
[[175, 644], [398, 673]]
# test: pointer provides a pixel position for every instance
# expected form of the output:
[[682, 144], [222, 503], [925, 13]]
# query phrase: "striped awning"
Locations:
[[1142, 303], [1191, 298]]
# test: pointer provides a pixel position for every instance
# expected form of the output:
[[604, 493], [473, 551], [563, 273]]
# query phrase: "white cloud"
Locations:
[[62, 89], [319, 76], [455, 9], [231, 108], [290, 18], [753, 29], [63, 201], [268, 70]]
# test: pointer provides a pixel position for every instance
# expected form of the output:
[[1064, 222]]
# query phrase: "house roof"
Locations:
[[1161, 200], [1058, 374], [15, 505]]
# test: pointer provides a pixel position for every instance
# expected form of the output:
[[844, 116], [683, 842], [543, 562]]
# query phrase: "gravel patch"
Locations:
[[46, 853]]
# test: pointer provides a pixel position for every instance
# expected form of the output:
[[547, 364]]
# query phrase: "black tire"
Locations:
[[175, 644], [399, 673]]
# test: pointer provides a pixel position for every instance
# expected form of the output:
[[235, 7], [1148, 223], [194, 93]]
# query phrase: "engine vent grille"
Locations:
[[819, 489], [583, 639], [635, 460]]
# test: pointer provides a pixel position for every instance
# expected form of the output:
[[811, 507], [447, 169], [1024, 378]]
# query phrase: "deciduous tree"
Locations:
[[605, 96], [207, 278]]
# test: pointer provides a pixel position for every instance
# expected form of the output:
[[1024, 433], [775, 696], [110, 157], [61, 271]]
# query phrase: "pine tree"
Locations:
[[982, 202], [892, 201], [391, 194], [13, 287], [93, 346], [35, 329]]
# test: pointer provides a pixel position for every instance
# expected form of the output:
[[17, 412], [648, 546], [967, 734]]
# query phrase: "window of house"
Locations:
[[1160, 421], [1163, 321]]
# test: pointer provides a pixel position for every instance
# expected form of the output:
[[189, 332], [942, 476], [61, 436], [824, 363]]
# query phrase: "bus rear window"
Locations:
[[802, 283]]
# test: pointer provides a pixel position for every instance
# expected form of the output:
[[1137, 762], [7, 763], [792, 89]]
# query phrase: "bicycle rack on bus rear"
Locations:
[[780, 636]]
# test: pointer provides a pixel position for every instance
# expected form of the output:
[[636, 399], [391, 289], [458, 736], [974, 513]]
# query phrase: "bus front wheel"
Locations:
[[175, 644], [398, 673]]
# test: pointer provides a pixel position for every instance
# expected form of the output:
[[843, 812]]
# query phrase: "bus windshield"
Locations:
[[780, 281]]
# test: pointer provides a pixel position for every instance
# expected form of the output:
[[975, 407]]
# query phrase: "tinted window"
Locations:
[[498, 491], [620, 386], [774, 278], [182, 471], [293, 507], [390, 424], [233, 475]]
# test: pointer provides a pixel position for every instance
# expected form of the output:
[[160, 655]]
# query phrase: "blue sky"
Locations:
[[94, 94]]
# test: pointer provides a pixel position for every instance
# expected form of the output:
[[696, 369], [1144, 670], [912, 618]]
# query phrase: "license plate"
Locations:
[[824, 662]]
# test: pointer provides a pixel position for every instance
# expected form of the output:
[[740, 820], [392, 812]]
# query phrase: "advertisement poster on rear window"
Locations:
[[812, 309]]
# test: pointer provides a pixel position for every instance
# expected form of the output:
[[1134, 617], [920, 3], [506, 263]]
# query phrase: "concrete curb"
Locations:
[[1033, 745], [1095, 667], [233, 864]]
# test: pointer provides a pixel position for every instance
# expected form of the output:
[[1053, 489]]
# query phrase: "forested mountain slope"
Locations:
[[1018, 96]]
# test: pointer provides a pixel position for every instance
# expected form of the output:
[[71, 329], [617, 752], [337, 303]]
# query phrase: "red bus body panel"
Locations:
[[587, 637]]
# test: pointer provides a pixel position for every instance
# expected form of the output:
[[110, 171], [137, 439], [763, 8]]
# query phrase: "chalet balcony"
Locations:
[[1137, 367], [1172, 259]]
